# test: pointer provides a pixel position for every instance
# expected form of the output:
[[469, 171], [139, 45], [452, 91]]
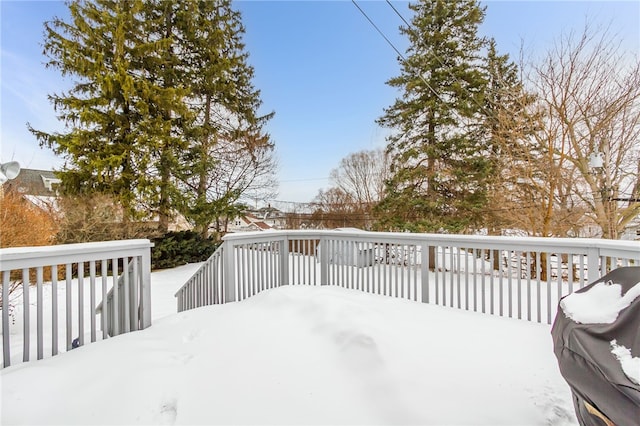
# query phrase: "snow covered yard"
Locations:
[[299, 355]]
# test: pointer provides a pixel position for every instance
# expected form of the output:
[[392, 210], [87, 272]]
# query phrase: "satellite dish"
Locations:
[[9, 171]]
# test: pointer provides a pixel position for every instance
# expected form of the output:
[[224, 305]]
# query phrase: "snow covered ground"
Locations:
[[299, 355]]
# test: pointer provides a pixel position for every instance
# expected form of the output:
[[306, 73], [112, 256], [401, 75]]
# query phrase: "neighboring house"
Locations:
[[271, 216], [632, 231], [590, 229], [40, 187], [40, 183], [247, 223]]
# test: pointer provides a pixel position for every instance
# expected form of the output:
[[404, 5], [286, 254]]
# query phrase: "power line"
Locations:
[[437, 58], [305, 179], [379, 30], [404, 60], [398, 13]]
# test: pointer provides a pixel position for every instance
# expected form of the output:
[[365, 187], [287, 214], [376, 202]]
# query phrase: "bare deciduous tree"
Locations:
[[241, 166], [357, 185], [589, 93], [586, 101], [337, 209], [362, 175]]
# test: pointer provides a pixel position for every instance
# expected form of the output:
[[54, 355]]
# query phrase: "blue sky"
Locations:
[[320, 66]]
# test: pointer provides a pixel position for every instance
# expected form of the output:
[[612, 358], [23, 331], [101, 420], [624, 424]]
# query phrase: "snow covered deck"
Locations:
[[313, 337], [299, 355]]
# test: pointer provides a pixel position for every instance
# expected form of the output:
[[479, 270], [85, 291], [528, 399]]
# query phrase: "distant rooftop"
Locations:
[[34, 182]]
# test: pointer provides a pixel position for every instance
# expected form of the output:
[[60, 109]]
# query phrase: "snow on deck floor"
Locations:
[[301, 355]]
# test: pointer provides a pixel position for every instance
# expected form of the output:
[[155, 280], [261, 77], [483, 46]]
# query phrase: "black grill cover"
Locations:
[[586, 362]]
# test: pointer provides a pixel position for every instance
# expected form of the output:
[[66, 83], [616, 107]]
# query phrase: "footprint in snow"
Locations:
[[168, 412]]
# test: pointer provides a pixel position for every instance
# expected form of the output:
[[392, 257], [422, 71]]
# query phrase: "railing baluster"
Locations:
[[548, 265], [299, 254], [306, 272], [466, 278], [81, 303], [104, 314], [529, 307], [519, 279], [39, 315], [510, 255], [446, 293], [458, 274], [415, 273], [396, 267], [452, 275], [570, 278], [6, 348], [342, 262], [136, 286], [273, 259], [474, 252], [500, 284], [538, 282], [127, 295], [424, 272], [92, 298], [559, 267], [491, 283], [115, 310], [436, 274], [354, 265], [246, 269], [25, 315], [54, 310], [483, 268], [68, 290]]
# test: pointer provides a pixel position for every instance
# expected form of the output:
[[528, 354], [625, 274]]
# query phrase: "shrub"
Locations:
[[98, 217], [179, 248], [23, 224]]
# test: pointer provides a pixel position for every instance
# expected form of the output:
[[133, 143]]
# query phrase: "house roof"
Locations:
[[262, 225], [34, 182]]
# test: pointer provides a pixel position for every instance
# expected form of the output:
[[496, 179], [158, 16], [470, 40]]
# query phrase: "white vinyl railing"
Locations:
[[508, 276], [205, 286], [88, 272]]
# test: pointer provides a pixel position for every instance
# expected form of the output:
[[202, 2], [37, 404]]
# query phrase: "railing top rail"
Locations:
[[19, 257], [470, 241], [217, 252]]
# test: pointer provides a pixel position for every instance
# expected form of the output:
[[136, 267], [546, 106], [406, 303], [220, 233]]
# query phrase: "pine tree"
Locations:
[[510, 120], [164, 66], [115, 112], [161, 87], [439, 165], [228, 153]]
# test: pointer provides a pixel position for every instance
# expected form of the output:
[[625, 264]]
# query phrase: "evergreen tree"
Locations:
[[161, 85], [165, 66], [115, 114], [439, 161], [510, 120], [228, 153]]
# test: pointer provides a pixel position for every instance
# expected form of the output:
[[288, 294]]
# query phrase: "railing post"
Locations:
[[145, 289], [593, 264], [284, 262], [229, 272], [324, 261]]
